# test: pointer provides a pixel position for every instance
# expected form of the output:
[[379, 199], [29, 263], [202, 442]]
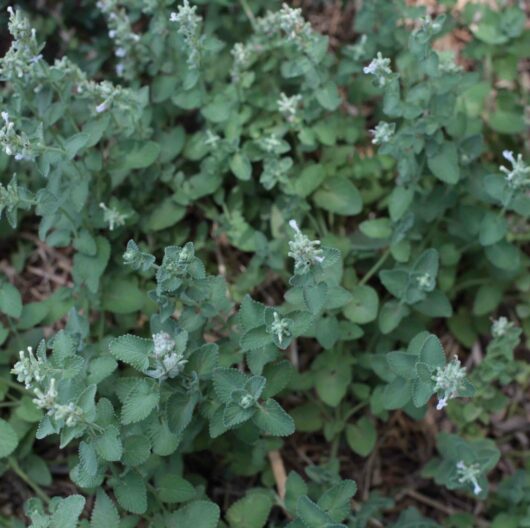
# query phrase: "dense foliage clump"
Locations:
[[250, 265]]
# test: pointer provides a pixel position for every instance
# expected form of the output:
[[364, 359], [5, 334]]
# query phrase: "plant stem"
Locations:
[[248, 12], [375, 268], [13, 464]]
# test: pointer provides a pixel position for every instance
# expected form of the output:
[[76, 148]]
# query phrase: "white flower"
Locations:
[[305, 252], [280, 327], [288, 106], [28, 368], [101, 107], [189, 27], [379, 68], [383, 132], [46, 400], [211, 139], [167, 362], [517, 176], [501, 326], [448, 381], [163, 344], [469, 474], [113, 217], [71, 413]]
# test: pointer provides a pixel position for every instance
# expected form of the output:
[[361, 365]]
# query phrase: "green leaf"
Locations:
[[241, 167], [430, 350], [179, 409], [88, 269], [402, 364], [226, 381], [104, 514], [488, 297], [75, 143], [197, 514], [336, 501], [311, 514], [504, 256], [10, 300], [315, 297], [88, 458], [68, 511], [272, 419], [444, 164], [332, 384], [255, 338], [492, 229], [131, 492], [136, 449], [252, 511], [295, 487], [328, 96], [173, 489], [166, 214], [141, 156], [397, 393], [364, 306], [391, 314], [123, 296], [139, 402], [108, 444], [421, 392], [132, 350], [8, 439], [376, 228], [361, 437], [338, 195]]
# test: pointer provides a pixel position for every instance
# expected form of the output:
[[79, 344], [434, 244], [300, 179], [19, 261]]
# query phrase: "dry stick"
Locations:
[[278, 470], [438, 505]]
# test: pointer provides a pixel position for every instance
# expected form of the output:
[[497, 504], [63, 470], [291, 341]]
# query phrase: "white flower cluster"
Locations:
[[288, 106], [20, 60], [519, 175], [167, 362], [380, 69], [288, 23], [113, 217], [280, 327], [15, 143], [469, 474], [500, 327], [242, 55], [189, 26], [448, 381], [305, 252], [31, 371], [121, 33], [383, 132]]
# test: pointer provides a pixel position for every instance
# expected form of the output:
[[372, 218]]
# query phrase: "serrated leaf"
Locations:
[[226, 381], [108, 445], [88, 458], [252, 511], [136, 449], [132, 350], [402, 364], [104, 514], [8, 439], [311, 514], [199, 514], [272, 419], [67, 512], [336, 501], [131, 492], [140, 402], [10, 300], [179, 411], [173, 489]]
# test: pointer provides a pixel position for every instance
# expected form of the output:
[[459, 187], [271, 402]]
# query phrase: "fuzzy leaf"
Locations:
[[104, 514], [131, 492], [132, 350], [272, 419]]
